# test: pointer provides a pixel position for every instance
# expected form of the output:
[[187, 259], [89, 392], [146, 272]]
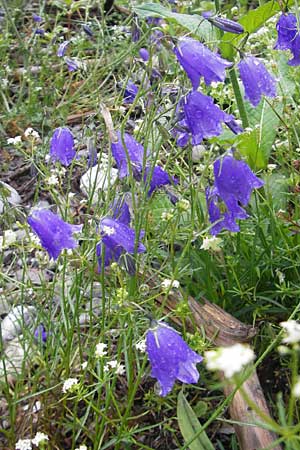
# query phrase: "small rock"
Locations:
[[97, 179], [197, 152], [12, 362], [19, 317], [8, 194]]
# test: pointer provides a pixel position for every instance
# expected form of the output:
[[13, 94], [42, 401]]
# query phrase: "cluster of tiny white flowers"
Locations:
[[14, 141], [119, 368], [69, 384], [167, 284], [84, 365], [52, 180], [292, 331], [230, 360], [211, 243], [31, 133], [100, 350], [141, 346], [26, 444]]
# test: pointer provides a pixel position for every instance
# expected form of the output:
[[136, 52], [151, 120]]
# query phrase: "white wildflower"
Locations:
[[39, 437], [167, 284], [14, 141], [84, 365], [271, 167], [141, 345], [108, 230], [23, 444], [166, 216], [52, 180], [229, 359], [30, 132], [100, 350], [292, 331], [69, 384], [114, 364], [296, 389], [211, 243], [81, 447]]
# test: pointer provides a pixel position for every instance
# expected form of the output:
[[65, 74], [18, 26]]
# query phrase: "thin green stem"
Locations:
[[238, 97]]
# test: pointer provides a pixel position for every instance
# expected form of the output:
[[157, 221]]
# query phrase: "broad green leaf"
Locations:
[[286, 83], [190, 426], [256, 145], [194, 23], [277, 189], [252, 21]]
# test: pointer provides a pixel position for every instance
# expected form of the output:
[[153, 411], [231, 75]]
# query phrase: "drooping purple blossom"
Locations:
[[234, 183], [54, 233], [117, 236], [62, 146], [72, 64], [170, 357], [87, 30], [234, 126], [135, 30], [144, 54], [222, 23], [289, 37], [134, 154], [256, 79], [198, 61], [36, 18], [130, 92], [39, 31], [199, 118], [40, 333], [62, 49]]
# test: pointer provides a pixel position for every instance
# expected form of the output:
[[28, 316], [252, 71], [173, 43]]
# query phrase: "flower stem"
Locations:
[[238, 97]]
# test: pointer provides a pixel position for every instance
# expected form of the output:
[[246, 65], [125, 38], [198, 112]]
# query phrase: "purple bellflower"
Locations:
[[256, 80], [54, 233], [198, 61], [289, 37], [170, 357], [223, 24], [40, 333], [234, 183], [130, 92], [62, 146], [144, 54], [39, 31], [87, 30], [62, 49], [71, 64], [199, 118], [36, 18], [138, 161], [117, 236]]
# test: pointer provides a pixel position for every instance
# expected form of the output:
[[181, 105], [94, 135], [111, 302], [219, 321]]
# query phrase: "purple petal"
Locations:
[[62, 146], [135, 153], [72, 64], [53, 232], [170, 357], [256, 80], [197, 60], [130, 92], [159, 177], [144, 54], [116, 234], [62, 49], [37, 18]]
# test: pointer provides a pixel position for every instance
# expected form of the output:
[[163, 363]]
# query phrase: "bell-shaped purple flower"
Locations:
[[130, 92], [36, 18], [117, 238], [158, 177], [87, 30], [40, 333], [54, 233], [62, 146], [198, 61], [170, 357], [289, 37], [144, 54], [133, 153], [72, 64], [256, 80], [234, 183], [62, 49], [200, 118]]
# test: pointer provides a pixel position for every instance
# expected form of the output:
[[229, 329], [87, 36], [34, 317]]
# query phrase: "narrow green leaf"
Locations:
[[190, 426], [194, 23]]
